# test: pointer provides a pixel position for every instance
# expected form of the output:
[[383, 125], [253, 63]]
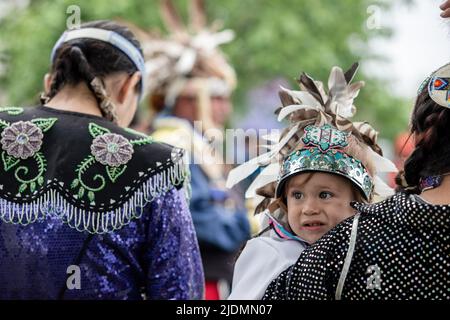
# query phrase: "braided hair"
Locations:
[[89, 61], [430, 123]]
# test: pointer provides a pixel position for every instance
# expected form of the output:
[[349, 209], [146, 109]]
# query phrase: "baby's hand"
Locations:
[[445, 7]]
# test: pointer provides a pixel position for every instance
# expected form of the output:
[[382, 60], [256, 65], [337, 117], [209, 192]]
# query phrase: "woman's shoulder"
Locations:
[[368, 220], [366, 215], [80, 129], [388, 204], [87, 163], [152, 150]]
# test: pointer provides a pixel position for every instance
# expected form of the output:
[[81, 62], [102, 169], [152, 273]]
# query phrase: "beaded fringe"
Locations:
[[52, 203]]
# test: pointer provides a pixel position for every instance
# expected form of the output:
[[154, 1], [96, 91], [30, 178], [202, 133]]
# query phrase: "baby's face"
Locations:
[[317, 202]]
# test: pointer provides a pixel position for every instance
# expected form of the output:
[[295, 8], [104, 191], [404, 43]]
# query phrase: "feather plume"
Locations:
[[268, 174], [197, 15], [171, 18]]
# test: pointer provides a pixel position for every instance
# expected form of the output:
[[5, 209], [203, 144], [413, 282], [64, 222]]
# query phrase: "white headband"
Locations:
[[110, 37]]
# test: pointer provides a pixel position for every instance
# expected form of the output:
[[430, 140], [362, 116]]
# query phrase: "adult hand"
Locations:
[[445, 7]]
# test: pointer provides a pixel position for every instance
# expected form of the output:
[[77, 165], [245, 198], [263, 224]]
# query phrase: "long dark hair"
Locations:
[[83, 60], [430, 124]]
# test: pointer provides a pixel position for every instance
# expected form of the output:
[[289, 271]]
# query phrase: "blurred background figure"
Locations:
[[190, 83]]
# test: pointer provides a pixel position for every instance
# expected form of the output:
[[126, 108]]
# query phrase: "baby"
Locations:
[[322, 169], [316, 202]]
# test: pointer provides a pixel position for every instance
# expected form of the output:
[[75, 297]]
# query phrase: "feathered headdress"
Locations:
[[320, 137], [187, 54]]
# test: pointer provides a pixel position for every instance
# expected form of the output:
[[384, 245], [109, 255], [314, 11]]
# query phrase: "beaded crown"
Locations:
[[323, 152], [188, 55]]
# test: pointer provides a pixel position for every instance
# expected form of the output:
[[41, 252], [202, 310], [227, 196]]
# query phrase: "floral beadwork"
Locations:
[[22, 139], [64, 180], [112, 149], [13, 111]]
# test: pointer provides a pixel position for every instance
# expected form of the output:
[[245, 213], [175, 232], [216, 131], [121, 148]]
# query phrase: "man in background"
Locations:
[[190, 84]]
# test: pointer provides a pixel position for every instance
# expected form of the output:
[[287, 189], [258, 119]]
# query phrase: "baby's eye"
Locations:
[[325, 195], [297, 195]]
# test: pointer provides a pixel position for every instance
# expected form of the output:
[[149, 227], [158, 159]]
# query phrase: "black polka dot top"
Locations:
[[395, 249]]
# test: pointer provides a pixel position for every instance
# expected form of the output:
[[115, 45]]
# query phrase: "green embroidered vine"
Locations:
[[44, 124], [95, 130], [9, 161], [3, 124], [113, 172], [37, 180], [82, 186], [13, 111], [139, 142]]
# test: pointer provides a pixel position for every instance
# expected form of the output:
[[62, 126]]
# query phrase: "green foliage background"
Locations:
[[273, 38]]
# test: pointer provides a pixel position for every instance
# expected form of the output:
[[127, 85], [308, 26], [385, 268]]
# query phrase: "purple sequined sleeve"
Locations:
[[173, 257]]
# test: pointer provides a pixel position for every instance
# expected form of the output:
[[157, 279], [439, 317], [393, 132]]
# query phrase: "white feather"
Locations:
[[186, 62], [354, 88], [381, 163], [381, 188], [345, 110], [336, 81], [257, 199], [208, 41], [266, 146], [268, 175], [285, 140], [345, 98], [263, 219], [272, 136], [154, 65], [302, 97], [244, 170], [172, 49], [293, 108], [321, 89], [225, 36]]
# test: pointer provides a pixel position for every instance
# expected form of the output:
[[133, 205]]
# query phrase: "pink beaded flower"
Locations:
[[22, 139], [112, 149]]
